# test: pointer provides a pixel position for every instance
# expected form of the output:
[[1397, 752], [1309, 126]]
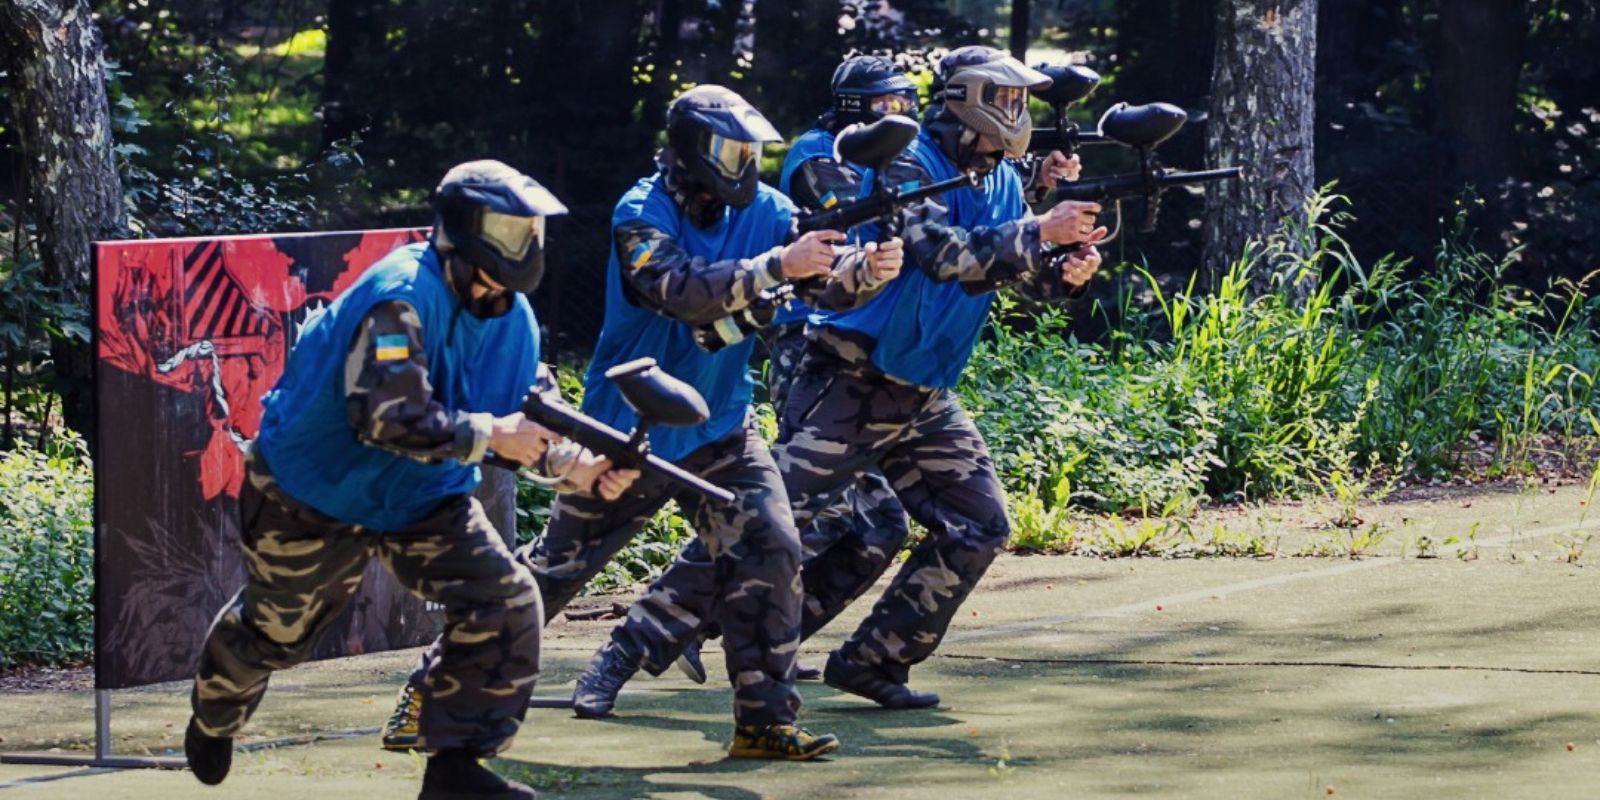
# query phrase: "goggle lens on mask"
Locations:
[[730, 156], [510, 235], [885, 104], [1010, 101]]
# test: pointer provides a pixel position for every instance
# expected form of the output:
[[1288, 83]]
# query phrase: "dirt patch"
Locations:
[[48, 679]]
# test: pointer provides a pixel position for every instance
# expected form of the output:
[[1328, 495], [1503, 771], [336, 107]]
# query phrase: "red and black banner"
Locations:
[[189, 334]]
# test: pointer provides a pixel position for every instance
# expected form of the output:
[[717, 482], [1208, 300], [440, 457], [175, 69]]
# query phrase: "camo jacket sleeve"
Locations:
[[389, 397], [664, 278], [982, 259]]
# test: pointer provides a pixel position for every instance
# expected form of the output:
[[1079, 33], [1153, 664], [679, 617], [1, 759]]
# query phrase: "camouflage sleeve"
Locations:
[[1044, 285], [982, 259], [662, 277], [389, 397], [821, 183]]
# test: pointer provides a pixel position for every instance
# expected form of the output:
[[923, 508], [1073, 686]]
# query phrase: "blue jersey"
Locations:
[[474, 365], [632, 331], [924, 330]]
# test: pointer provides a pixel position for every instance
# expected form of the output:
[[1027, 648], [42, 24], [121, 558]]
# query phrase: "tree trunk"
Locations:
[[1262, 118], [1021, 23], [1478, 67], [69, 177], [355, 31]]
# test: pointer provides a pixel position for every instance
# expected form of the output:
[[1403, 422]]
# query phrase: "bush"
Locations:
[[1284, 393], [46, 554]]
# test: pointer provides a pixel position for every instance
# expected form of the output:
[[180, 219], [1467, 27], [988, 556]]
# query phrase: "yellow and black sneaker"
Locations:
[[400, 732], [787, 742]]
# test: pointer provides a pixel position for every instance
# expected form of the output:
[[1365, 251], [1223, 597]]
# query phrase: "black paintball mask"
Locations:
[[714, 141], [490, 219], [867, 88]]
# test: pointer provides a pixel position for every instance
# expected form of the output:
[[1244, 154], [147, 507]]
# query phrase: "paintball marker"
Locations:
[[872, 146], [1068, 85], [1142, 129], [657, 398]]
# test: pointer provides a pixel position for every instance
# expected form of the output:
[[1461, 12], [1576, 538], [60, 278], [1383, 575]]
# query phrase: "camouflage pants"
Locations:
[[743, 569], [842, 552], [840, 421], [849, 544], [303, 569]]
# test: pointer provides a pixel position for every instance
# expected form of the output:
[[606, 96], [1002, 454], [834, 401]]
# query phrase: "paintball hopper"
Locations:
[[877, 144], [1142, 127], [656, 397], [1068, 84]]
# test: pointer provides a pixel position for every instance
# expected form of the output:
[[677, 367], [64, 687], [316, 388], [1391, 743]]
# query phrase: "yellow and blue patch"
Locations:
[[394, 347], [641, 254], [829, 200]]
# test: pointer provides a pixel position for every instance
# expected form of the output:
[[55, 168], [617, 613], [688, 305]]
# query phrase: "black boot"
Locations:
[[690, 664], [868, 682], [209, 756], [457, 775], [806, 672], [598, 686]]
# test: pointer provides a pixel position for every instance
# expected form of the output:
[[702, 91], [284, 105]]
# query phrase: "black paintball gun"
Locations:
[[1141, 129], [657, 398], [872, 146], [1068, 85]]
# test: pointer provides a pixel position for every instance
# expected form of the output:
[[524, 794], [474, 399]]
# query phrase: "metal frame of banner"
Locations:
[[102, 757]]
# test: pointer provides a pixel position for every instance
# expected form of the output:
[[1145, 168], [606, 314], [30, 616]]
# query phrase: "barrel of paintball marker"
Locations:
[[1116, 187], [876, 206], [607, 441]]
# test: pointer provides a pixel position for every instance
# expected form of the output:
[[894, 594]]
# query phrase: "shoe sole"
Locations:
[[688, 670], [768, 754], [857, 693], [398, 747]]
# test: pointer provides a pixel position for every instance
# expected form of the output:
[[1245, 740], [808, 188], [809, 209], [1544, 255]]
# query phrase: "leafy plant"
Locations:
[[46, 553]]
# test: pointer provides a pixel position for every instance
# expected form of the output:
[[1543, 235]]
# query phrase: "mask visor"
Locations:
[[512, 236], [730, 156]]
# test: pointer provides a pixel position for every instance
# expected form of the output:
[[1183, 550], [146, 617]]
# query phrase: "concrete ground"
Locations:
[[1472, 674]]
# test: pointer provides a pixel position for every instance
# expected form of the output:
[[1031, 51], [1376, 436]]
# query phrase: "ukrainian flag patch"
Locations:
[[394, 347], [829, 200], [641, 254]]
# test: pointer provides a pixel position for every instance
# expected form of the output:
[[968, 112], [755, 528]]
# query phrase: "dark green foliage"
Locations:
[[1256, 397], [46, 554]]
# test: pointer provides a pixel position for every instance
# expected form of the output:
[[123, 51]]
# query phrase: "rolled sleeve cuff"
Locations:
[[770, 273], [472, 438]]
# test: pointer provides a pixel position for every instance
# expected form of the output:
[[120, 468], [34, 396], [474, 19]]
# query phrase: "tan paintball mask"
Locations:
[[991, 98]]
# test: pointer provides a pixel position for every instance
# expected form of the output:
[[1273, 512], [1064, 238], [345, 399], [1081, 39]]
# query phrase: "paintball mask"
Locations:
[[492, 217], [869, 87], [716, 137], [987, 91]]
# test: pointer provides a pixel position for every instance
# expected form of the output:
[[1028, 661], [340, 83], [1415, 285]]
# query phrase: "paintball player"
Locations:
[[693, 245], [369, 447], [847, 545], [847, 537], [900, 354]]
